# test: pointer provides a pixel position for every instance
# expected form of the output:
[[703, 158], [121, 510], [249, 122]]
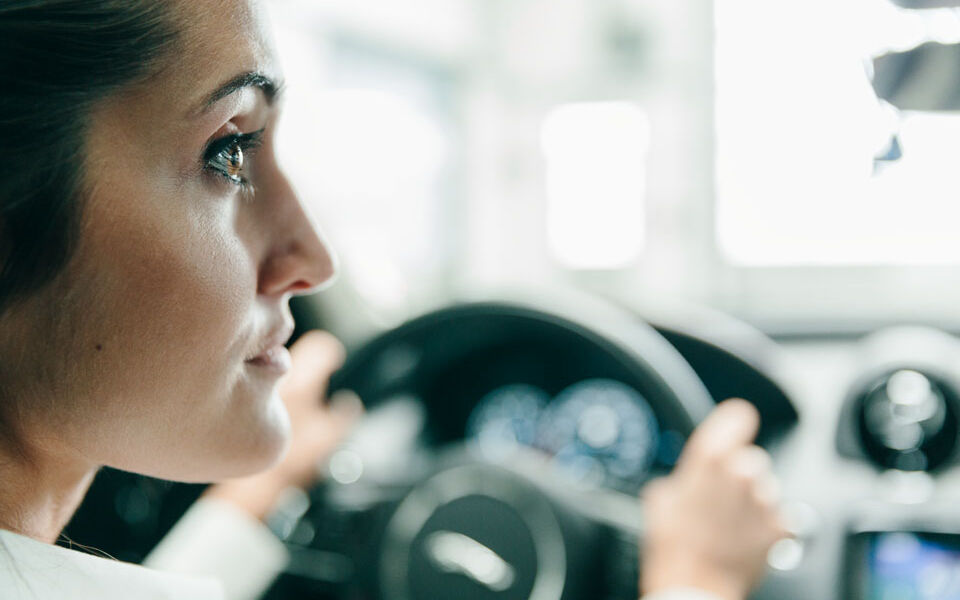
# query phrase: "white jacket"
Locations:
[[215, 552]]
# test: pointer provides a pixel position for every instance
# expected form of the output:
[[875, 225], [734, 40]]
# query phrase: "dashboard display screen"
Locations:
[[598, 431], [913, 566]]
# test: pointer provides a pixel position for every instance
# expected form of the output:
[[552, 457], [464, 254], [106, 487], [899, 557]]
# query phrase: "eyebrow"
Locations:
[[271, 88]]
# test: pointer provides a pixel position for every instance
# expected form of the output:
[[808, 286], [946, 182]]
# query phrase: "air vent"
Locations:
[[907, 420]]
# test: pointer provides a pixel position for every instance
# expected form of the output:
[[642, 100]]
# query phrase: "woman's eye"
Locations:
[[229, 162], [226, 157]]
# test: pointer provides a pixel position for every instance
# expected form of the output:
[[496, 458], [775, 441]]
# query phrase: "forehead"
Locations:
[[219, 39]]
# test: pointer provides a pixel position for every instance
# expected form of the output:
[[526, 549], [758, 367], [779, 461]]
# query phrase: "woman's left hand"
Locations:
[[317, 426]]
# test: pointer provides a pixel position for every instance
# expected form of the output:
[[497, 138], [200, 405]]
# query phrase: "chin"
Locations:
[[259, 447], [242, 447], [267, 453]]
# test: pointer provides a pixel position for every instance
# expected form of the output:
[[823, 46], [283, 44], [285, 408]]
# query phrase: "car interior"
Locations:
[[566, 230]]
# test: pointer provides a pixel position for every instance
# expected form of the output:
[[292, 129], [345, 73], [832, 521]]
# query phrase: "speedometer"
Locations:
[[601, 429], [506, 418]]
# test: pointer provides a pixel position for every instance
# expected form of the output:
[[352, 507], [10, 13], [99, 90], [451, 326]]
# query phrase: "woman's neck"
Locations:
[[40, 492]]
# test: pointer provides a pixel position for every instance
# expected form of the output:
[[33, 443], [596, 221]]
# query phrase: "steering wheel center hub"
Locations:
[[474, 532]]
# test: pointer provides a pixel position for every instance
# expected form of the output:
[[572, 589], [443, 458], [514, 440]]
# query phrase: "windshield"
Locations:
[[780, 161]]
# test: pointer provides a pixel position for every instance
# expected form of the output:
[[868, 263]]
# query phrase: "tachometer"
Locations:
[[507, 417], [601, 429]]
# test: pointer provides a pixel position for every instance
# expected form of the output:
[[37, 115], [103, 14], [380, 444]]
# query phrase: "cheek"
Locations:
[[170, 304], [188, 295], [185, 291]]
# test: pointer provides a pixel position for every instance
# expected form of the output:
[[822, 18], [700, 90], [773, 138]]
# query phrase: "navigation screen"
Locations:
[[913, 566]]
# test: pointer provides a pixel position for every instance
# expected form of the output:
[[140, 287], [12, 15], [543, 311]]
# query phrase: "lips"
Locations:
[[273, 355]]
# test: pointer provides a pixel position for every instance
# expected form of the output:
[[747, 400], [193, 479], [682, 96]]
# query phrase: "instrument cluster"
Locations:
[[598, 432]]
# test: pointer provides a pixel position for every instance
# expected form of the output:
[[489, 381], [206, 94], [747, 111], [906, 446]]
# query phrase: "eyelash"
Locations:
[[217, 158]]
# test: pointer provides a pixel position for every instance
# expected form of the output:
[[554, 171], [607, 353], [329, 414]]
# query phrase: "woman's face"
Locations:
[[159, 348]]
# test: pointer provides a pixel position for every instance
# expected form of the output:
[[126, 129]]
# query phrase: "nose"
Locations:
[[298, 260]]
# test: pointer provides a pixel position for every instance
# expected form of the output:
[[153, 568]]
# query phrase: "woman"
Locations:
[[149, 245]]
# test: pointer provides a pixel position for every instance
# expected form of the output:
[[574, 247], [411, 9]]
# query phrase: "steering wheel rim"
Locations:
[[380, 369], [620, 332]]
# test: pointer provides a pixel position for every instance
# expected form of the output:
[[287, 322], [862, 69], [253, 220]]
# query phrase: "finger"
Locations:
[[779, 529], [768, 492], [316, 355], [751, 461], [318, 349], [753, 466], [652, 490], [346, 406], [330, 428], [731, 425]]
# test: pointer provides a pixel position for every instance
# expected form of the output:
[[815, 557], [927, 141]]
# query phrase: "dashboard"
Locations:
[[873, 462], [582, 411]]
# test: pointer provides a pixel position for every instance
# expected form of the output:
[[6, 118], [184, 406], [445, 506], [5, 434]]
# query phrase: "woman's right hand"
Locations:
[[711, 523]]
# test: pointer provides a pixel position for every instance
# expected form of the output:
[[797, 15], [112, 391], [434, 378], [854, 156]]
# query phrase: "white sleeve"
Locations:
[[219, 540], [680, 594]]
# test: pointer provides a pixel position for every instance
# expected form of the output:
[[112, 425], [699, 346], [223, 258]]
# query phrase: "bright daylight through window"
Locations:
[[596, 178], [799, 129]]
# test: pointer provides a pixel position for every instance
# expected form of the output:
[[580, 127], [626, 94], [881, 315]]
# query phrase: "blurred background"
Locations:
[[726, 153]]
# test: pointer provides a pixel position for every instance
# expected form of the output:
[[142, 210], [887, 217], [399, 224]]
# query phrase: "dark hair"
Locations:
[[57, 59]]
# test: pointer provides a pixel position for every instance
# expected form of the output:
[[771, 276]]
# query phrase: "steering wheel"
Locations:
[[445, 521]]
